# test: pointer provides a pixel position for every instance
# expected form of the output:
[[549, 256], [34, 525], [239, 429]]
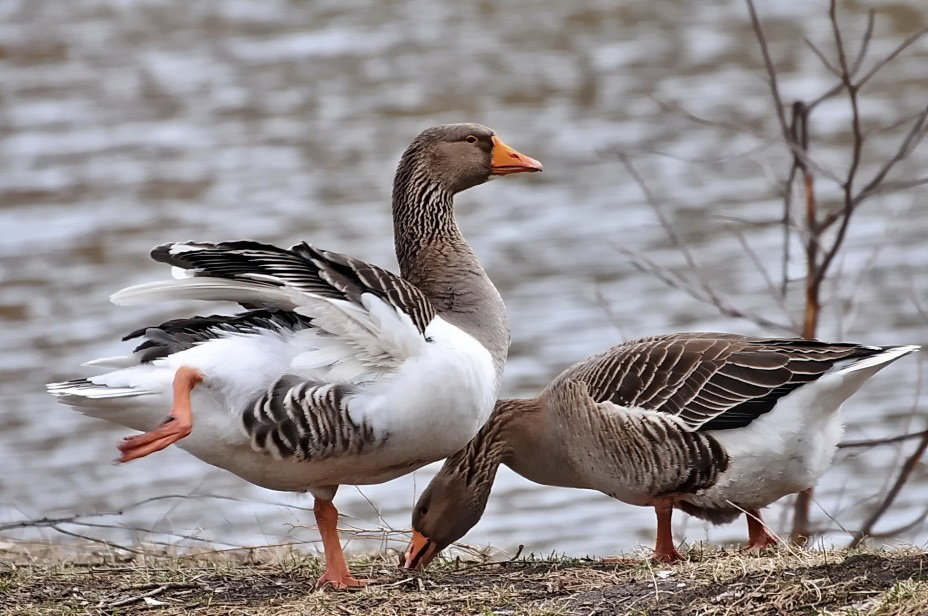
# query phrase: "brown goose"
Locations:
[[339, 372], [713, 424]]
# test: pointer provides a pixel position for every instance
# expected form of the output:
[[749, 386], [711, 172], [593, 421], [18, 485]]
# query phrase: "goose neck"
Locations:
[[423, 215]]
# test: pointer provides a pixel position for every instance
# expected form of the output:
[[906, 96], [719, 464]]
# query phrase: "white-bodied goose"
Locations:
[[338, 372], [713, 424]]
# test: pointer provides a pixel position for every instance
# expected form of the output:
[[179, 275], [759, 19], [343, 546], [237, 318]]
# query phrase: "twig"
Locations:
[[128, 600], [891, 56], [919, 519], [398, 583], [611, 315], [865, 42], [904, 473], [659, 211], [908, 144], [645, 265], [856, 152], [873, 442], [108, 544], [831, 67], [759, 266], [768, 66]]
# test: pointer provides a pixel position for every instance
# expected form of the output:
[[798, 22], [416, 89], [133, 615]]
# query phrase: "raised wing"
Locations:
[[359, 319], [303, 268], [710, 381]]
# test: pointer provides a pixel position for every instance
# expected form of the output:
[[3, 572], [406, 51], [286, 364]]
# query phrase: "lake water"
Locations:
[[128, 124]]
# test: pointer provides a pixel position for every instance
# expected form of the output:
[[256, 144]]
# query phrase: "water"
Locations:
[[125, 125]]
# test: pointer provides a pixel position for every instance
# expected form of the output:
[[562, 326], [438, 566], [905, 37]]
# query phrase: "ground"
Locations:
[[40, 580]]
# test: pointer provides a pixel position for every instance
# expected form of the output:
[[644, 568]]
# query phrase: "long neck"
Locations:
[[434, 256], [494, 443]]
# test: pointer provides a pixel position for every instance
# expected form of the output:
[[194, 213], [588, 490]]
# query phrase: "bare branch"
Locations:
[[892, 55], [771, 71], [659, 211], [794, 148], [904, 473], [893, 532], [831, 67], [674, 281], [873, 442], [765, 275], [828, 94], [611, 315], [857, 150], [108, 544], [864, 42], [909, 143]]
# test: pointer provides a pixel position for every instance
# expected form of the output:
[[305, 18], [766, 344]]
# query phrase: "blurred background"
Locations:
[[127, 124]]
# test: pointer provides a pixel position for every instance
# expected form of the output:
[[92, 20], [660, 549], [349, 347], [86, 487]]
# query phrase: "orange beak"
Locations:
[[420, 552], [504, 160]]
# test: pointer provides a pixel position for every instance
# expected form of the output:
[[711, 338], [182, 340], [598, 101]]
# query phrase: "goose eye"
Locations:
[[471, 139], [423, 510]]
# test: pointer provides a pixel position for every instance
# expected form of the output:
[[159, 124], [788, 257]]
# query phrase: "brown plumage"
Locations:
[[714, 424]]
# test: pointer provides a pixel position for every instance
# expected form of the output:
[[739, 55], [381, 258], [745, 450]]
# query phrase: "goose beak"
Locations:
[[420, 552], [504, 160]]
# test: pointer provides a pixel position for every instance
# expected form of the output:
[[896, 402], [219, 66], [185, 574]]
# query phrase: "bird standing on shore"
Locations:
[[339, 372], [713, 424]]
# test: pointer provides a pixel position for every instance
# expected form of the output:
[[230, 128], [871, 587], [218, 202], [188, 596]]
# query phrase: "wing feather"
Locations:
[[710, 381]]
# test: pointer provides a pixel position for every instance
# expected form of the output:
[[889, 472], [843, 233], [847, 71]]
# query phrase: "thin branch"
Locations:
[[904, 474], [893, 532], [831, 67], [768, 66], [908, 144], [659, 211], [674, 281], [828, 94], [873, 442], [892, 55], [765, 275], [794, 149], [865, 42], [108, 544], [856, 152], [787, 220]]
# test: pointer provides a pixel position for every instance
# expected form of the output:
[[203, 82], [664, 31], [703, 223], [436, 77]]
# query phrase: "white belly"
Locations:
[[780, 453]]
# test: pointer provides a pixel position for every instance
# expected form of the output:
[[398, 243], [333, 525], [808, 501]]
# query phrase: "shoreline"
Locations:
[[41, 579]]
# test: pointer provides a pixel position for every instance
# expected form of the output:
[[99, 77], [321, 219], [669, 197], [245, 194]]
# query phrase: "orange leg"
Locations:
[[336, 573], [664, 550], [178, 424], [758, 536]]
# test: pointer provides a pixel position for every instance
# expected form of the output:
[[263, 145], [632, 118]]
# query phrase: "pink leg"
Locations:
[[664, 550], [758, 536], [336, 573], [178, 424]]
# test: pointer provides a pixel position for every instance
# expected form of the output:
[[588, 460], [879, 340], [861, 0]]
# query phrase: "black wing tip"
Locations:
[[166, 253], [56, 387]]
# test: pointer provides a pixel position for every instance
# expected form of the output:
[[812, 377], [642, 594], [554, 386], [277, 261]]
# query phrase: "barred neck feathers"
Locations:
[[493, 444], [434, 256]]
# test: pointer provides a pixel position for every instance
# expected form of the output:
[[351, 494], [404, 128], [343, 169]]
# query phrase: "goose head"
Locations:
[[457, 496], [459, 156], [446, 511]]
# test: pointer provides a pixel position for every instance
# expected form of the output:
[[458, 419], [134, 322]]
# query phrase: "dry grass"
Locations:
[[37, 579]]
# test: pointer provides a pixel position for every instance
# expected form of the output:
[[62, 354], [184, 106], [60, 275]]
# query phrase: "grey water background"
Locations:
[[127, 124]]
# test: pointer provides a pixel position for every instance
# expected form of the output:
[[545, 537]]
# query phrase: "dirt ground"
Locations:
[[39, 580]]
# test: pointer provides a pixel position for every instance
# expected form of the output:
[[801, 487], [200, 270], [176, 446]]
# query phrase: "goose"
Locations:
[[336, 371], [713, 424]]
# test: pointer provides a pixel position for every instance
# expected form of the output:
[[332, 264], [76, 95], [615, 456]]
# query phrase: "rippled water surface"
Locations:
[[128, 124]]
